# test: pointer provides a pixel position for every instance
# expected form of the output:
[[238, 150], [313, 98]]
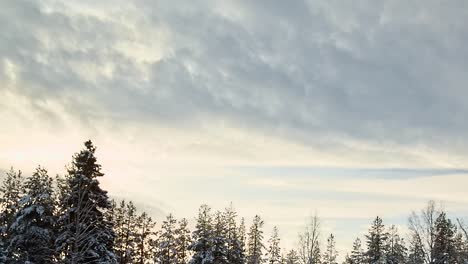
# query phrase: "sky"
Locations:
[[346, 109]]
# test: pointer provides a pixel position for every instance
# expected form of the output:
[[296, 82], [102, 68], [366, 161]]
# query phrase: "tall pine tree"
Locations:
[[255, 245], [32, 231], [85, 235], [274, 249], [203, 237], [376, 242], [330, 255]]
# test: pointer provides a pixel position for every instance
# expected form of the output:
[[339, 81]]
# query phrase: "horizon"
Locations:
[[348, 110]]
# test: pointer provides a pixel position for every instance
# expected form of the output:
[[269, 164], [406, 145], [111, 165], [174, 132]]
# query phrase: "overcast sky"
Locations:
[[345, 108]]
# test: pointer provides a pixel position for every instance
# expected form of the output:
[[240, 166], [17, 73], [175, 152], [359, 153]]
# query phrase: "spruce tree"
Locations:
[[219, 249], [235, 246], [11, 192], [292, 257], [330, 255], [183, 240], [274, 249], [255, 244], [167, 252], [376, 242], [203, 237], [85, 235], [357, 254], [32, 231], [145, 233], [396, 250], [444, 246]]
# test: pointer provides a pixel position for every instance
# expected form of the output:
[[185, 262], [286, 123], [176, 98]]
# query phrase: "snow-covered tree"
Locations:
[[444, 243], [167, 249], [183, 240], [396, 250], [202, 237], [85, 235], [219, 250], [144, 233], [243, 235], [11, 192], [330, 255], [274, 249], [357, 255], [32, 231], [376, 242], [309, 246], [292, 257], [235, 246], [255, 244]]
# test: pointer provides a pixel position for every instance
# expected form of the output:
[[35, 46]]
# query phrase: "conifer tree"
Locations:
[[274, 249], [219, 249], [330, 255], [11, 192], [203, 237], [357, 254], [145, 233], [255, 245], [376, 242], [396, 250], [32, 231], [292, 257], [243, 236], [444, 244], [167, 251], [127, 250], [183, 240], [235, 246], [85, 235]]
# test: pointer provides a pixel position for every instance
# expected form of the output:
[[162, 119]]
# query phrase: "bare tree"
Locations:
[[309, 248], [422, 228]]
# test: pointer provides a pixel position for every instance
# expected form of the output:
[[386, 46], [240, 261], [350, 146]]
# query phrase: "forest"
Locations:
[[71, 219]]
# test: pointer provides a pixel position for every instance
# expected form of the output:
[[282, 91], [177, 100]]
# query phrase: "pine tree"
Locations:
[[243, 237], [32, 231], [274, 249], [292, 257], [128, 248], [444, 246], [183, 240], [219, 249], [11, 192], [357, 254], [167, 250], [255, 244], [396, 250], [85, 235], [203, 237], [235, 246], [376, 242], [330, 255], [145, 233]]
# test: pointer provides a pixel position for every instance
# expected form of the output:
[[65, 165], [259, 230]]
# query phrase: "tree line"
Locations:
[[71, 219]]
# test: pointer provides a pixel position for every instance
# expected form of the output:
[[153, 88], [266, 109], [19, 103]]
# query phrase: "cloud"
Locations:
[[312, 72]]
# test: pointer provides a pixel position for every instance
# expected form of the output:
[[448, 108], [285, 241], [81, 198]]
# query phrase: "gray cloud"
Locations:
[[391, 71]]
